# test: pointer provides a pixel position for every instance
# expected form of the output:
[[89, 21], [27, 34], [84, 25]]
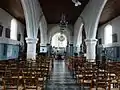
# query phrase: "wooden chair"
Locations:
[[89, 76], [2, 84], [102, 79]]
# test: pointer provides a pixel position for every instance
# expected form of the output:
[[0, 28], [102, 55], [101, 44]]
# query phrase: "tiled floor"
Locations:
[[61, 78]]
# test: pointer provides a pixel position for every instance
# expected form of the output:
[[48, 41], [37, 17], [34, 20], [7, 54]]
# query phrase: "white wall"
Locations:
[[12, 45], [5, 20], [116, 29]]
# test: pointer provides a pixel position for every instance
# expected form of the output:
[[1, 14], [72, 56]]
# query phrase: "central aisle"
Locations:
[[61, 78]]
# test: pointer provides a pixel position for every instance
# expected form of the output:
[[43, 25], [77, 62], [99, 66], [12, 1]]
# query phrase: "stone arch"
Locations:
[[79, 36], [32, 12], [81, 39], [43, 31], [56, 29], [78, 28], [56, 43], [91, 15]]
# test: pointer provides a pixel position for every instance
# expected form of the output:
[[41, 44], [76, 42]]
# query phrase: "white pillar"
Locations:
[[91, 15], [75, 49], [71, 49], [48, 49], [78, 50], [33, 13], [67, 50], [91, 49], [43, 31], [31, 48]]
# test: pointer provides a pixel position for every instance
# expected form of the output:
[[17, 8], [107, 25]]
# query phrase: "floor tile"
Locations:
[[61, 78]]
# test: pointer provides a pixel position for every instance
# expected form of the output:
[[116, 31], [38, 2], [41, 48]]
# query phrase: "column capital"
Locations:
[[42, 44], [91, 53], [91, 40], [31, 47], [31, 40]]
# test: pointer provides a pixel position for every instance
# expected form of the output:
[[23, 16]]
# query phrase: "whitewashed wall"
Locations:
[[116, 30], [5, 20], [12, 45]]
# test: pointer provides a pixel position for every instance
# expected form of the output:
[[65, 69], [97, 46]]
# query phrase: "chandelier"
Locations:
[[63, 25], [76, 2], [63, 22]]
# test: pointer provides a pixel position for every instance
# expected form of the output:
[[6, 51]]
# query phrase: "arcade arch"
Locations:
[[56, 42], [56, 29]]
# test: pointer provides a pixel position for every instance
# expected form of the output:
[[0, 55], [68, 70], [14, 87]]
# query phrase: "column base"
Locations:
[[91, 60], [31, 60]]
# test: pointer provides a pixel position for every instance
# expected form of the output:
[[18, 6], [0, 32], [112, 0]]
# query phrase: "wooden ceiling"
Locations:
[[111, 10], [53, 10], [13, 7]]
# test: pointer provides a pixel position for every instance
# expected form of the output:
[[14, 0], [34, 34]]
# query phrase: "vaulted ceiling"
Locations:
[[53, 10]]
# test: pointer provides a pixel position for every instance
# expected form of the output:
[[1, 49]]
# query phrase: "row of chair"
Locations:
[[103, 76], [24, 74]]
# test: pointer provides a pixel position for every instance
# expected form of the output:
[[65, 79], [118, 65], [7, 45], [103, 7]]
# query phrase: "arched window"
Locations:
[[58, 43], [13, 33], [108, 34]]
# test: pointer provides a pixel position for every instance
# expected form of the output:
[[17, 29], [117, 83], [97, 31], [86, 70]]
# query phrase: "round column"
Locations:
[[91, 49], [48, 49], [31, 48], [67, 50], [71, 49]]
